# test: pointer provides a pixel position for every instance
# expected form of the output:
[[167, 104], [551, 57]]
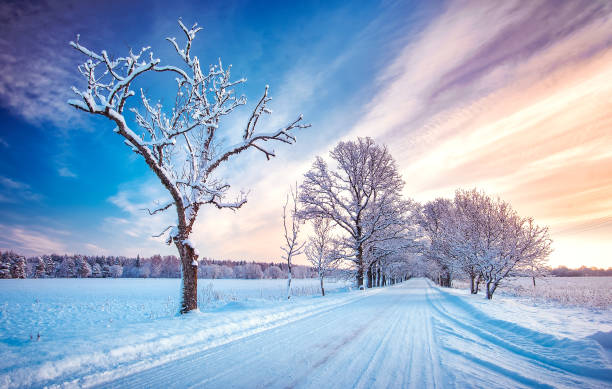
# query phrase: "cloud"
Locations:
[[132, 233], [93, 249], [29, 241], [12, 191], [3, 143], [513, 99], [37, 66], [65, 172]]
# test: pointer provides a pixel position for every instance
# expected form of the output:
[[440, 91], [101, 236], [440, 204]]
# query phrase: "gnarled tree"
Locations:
[[181, 144]]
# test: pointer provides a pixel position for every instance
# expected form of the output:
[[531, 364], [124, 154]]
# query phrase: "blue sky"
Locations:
[[464, 93]]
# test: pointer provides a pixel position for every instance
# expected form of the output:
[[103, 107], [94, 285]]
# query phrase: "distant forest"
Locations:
[[583, 271], [13, 265]]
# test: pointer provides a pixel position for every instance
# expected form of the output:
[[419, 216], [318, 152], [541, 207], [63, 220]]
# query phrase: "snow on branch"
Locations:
[[180, 142]]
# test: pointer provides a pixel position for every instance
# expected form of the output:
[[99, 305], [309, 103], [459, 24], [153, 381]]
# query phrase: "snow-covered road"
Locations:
[[412, 335]]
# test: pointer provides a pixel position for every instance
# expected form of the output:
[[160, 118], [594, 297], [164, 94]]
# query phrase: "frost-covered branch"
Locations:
[[180, 142], [362, 195]]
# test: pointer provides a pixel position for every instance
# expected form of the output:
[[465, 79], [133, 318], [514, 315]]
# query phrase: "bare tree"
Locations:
[[181, 145], [483, 238], [291, 226], [436, 223], [322, 250], [493, 241], [391, 244], [355, 195]]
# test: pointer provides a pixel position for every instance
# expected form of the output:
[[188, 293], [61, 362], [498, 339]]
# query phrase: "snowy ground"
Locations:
[[410, 335], [592, 292]]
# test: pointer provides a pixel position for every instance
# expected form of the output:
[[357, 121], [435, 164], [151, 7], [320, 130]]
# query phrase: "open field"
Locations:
[[125, 333], [593, 292], [60, 307]]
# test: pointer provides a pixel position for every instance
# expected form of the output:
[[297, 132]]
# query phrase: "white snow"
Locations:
[[124, 333]]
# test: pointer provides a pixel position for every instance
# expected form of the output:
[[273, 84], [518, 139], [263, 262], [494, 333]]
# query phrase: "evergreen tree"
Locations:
[[84, 268], [19, 268], [96, 271], [5, 266], [67, 268], [49, 266], [105, 271], [39, 271]]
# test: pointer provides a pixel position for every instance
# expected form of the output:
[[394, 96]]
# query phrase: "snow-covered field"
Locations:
[[58, 308], [124, 333], [593, 292]]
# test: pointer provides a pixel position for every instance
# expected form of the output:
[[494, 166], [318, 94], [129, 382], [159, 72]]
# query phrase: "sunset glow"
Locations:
[[514, 98]]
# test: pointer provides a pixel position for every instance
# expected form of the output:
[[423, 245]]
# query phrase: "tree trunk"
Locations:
[[477, 284], [189, 299], [322, 289], [384, 280], [473, 288], [359, 267], [490, 290], [533, 278], [369, 276], [289, 278], [493, 288], [378, 276]]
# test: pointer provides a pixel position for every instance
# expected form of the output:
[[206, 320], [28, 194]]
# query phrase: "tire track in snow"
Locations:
[[222, 358], [412, 335], [154, 360]]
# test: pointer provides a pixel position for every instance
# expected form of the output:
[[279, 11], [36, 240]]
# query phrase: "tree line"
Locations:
[[583, 271], [362, 222], [13, 265]]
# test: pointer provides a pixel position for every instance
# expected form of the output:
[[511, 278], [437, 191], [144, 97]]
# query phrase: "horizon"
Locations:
[[512, 99], [256, 261]]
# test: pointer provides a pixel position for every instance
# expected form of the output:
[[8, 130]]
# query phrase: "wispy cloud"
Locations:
[[94, 249], [66, 172], [513, 99], [133, 232], [37, 66], [29, 241], [12, 191]]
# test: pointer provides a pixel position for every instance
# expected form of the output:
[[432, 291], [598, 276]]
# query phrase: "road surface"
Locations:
[[411, 335]]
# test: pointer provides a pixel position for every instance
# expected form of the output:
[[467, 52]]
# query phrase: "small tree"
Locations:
[[182, 146], [39, 271], [49, 266], [84, 268], [67, 268], [19, 268], [252, 271], [106, 272], [322, 250], [116, 271], [96, 270], [273, 272], [291, 225], [5, 269]]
